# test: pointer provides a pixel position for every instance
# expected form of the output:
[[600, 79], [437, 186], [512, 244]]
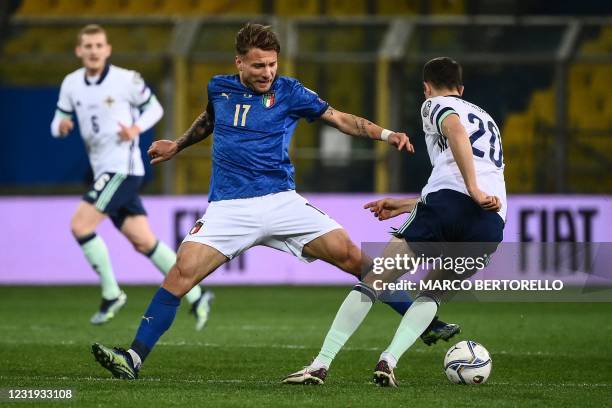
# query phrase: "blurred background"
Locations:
[[541, 69]]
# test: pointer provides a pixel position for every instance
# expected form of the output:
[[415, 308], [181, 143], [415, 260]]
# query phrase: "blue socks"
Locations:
[[157, 319], [398, 300]]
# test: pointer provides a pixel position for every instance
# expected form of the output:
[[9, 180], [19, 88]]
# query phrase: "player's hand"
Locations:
[[486, 202], [390, 207], [128, 133], [162, 150], [65, 127], [400, 141]]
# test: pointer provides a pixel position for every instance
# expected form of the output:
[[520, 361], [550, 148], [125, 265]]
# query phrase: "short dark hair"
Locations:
[[256, 36], [88, 30], [443, 73]]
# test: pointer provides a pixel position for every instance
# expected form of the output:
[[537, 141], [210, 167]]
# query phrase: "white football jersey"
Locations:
[[100, 106], [486, 148]]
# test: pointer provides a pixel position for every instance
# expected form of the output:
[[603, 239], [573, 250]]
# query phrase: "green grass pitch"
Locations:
[[554, 354]]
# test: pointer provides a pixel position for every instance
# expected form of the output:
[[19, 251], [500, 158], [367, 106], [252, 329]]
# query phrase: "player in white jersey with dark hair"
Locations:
[[487, 150], [461, 211], [113, 106]]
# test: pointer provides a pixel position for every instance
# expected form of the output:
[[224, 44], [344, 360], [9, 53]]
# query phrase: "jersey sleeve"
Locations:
[[139, 93], [435, 110], [306, 103], [64, 103]]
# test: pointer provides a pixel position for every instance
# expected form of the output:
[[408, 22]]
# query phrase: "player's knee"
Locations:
[[185, 264], [143, 246], [183, 274], [176, 282], [80, 227]]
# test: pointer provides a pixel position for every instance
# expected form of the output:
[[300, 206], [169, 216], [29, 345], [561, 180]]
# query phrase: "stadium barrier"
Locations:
[[38, 248]]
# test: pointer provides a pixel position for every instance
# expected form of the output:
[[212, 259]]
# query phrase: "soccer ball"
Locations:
[[467, 362]]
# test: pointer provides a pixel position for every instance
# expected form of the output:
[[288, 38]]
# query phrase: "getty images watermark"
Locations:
[[408, 264], [562, 271]]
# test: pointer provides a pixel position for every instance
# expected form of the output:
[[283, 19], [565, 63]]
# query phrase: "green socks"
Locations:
[[164, 258], [352, 312], [414, 322], [96, 254]]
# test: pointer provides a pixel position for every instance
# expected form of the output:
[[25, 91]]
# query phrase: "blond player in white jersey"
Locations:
[[113, 106], [461, 212]]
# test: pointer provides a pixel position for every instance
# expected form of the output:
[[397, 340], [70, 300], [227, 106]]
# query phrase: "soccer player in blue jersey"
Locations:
[[252, 190]]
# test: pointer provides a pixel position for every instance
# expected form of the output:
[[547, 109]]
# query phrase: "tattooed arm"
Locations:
[[351, 124], [359, 127], [201, 128]]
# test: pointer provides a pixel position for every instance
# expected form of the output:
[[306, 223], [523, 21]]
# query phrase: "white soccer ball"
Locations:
[[467, 362]]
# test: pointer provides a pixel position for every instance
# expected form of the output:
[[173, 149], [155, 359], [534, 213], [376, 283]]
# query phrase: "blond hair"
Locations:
[[88, 30]]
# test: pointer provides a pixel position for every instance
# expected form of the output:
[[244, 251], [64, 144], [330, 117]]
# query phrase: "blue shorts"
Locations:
[[116, 195], [448, 216]]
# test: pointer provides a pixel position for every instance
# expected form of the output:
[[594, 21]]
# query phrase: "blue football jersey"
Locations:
[[252, 135]]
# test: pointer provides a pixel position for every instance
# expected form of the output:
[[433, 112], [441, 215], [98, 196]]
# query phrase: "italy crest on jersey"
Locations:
[[268, 100], [196, 228]]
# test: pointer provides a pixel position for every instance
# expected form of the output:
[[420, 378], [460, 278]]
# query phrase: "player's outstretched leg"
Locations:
[[157, 319], [336, 248], [137, 230], [353, 310], [199, 299], [195, 261]]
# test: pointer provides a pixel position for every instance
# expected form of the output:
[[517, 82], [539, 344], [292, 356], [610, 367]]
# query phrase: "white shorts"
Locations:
[[283, 221]]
